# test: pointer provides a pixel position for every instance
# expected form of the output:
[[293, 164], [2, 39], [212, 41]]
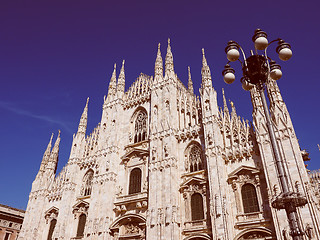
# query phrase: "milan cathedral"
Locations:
[[165, 164]]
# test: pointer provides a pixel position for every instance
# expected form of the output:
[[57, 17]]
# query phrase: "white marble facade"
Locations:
[[164, 164]]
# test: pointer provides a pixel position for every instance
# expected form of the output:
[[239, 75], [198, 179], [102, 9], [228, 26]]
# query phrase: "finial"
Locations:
[[158, 66], [86, 105], [169, 60], [51, 138], [225, 106], [59, 131], [233, 111], [190, 84], [121, 81], [115, 66], [204, 60]]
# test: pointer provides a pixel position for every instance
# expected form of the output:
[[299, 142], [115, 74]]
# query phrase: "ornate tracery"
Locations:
[[87, 184], [140, 127], [194, 159]]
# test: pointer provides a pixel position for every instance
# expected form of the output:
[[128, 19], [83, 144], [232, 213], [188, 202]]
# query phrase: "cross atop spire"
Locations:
[[205, 72], [158, 66], [169, 60], [121, 81], [112, 84], [190, 84]]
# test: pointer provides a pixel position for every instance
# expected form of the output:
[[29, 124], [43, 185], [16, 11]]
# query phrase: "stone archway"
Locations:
[[254, 234], [201, 236], [130, 226]]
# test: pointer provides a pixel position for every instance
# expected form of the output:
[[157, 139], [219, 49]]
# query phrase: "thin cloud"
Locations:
[[16, 110]]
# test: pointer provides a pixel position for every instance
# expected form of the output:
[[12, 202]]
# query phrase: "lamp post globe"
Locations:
[[285, 54], [246, 85], [233, 55], [284, 50], [276, 74], [260, 39], [229, 78], [261, 43]]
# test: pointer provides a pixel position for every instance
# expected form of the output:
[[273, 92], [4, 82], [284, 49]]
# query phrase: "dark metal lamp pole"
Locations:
[[256, 71]]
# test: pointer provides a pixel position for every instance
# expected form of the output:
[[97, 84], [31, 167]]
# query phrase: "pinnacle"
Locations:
[[204, 60]]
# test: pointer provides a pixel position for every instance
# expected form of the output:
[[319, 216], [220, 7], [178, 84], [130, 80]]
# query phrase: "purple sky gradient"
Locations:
[[55, 54]]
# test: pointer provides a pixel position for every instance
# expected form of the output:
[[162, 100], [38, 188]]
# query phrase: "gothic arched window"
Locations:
[[249, 198], [135, 181], [197, 207], [87, 184], [195, 159], [51, 228], [140, 127], [81, 225]]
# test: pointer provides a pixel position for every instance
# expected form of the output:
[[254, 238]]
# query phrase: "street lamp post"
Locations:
[[256, 72]]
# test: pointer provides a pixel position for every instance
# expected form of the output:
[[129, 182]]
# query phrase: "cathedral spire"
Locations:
[[158, 66], [225, 106], [83, 120], [46, 155], [205, 72], [169, 60], [112, 85], [55, 149], [190, 84], [233, 111], [121, 82], [55, 154]]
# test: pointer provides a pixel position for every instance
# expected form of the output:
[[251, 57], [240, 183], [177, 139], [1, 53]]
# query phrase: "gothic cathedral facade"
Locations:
[[164, 164]]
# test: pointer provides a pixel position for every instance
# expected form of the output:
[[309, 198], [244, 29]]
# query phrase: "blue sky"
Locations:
[[55, 54]]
